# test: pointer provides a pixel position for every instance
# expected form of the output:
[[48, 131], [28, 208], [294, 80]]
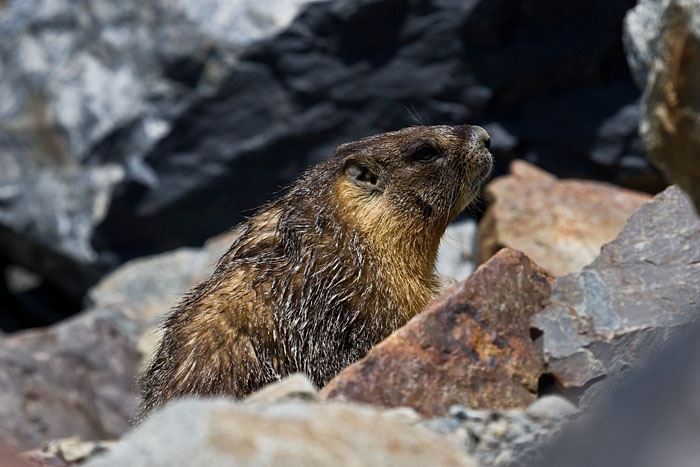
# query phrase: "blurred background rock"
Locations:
[[135, 127]]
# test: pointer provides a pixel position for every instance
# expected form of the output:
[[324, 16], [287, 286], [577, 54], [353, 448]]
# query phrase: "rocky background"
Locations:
[[134, 134]]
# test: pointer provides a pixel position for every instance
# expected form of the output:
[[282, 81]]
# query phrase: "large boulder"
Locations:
[[220, 432], [619, 310], [663, 48], [88, 87], [560, 224], [471, 346]]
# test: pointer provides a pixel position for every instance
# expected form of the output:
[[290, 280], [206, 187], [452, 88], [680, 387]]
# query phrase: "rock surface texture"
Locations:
[[292, 433], [560, 224], [663, 48], [622, 308], [75, 378], [88, 88], [471, 346]]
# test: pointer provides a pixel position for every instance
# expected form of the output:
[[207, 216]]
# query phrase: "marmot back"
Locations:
[[319, 276]]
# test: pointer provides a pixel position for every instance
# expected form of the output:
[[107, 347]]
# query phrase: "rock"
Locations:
[[666, 61], [551, 407], [88, 89], [457, 252], [471, 346], [505, 437], [67, 451], [72, 379], [560, 224], [296, 386], [220, 432], [649, 420], [642, 289]]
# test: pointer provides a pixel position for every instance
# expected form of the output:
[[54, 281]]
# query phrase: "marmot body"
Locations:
[[331, 268]]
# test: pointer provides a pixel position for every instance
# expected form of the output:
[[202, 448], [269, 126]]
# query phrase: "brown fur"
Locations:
[[319, 276]]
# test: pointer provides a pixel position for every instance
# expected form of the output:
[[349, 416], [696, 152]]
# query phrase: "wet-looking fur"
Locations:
[[319, 276]]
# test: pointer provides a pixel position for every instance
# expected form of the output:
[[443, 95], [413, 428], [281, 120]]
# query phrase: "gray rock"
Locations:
[[87, 89], [641, 26], [220, 432], [293, 387], [650, 420], [551, 408], [642, 289], [457, 255], [72, 379]]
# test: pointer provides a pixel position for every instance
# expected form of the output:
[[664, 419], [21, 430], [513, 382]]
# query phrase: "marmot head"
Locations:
[[417, 178]]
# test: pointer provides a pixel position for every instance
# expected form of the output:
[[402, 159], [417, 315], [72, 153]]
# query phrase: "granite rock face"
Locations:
[[560, 224], [88, 87], [221, 432], [622, 308], [471, 346], [663, 48]]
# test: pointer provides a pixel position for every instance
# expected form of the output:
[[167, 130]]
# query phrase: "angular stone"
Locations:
[[471, 346], [619, 310], [667, 57], [194, 432], [560, 224]]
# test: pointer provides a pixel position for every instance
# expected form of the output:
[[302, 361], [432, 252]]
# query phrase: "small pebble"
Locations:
[[551, 408]]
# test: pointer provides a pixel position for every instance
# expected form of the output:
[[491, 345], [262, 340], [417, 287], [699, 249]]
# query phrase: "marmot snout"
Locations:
[[319, 276]]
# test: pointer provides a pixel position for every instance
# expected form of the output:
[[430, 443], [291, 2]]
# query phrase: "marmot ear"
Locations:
[[365, 172]]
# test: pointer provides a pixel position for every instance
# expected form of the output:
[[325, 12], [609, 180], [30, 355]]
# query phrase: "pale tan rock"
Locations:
[[560, 224], [196, 432], [296, 386]]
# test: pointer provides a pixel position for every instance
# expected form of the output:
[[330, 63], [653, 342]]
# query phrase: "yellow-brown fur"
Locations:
[[326, 271]]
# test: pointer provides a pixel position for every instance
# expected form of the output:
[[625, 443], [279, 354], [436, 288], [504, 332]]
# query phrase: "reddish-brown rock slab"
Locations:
[[560, 224], [471, 346]]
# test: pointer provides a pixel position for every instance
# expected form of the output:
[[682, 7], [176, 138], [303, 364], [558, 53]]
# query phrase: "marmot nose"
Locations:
[[482, 135], [475, 132]]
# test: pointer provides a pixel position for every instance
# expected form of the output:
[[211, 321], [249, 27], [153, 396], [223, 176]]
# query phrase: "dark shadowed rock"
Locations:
[[560, 224], [632, 299], [649, 421], [76, 378], [666, 60], [215, 432], [471, 346], [344, 70]]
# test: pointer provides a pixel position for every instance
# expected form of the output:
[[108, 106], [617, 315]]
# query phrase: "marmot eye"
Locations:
[[426, 154]]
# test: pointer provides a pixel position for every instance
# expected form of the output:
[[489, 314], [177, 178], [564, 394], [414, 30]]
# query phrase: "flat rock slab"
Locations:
[[219, 432], [471, 346], [560, 224], [622, 308]]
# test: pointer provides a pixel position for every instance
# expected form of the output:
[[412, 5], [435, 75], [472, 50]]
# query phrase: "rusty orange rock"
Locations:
[[560, 224], [472, 346]]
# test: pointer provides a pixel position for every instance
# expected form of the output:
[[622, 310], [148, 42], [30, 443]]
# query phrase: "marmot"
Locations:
[[331, 268]]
